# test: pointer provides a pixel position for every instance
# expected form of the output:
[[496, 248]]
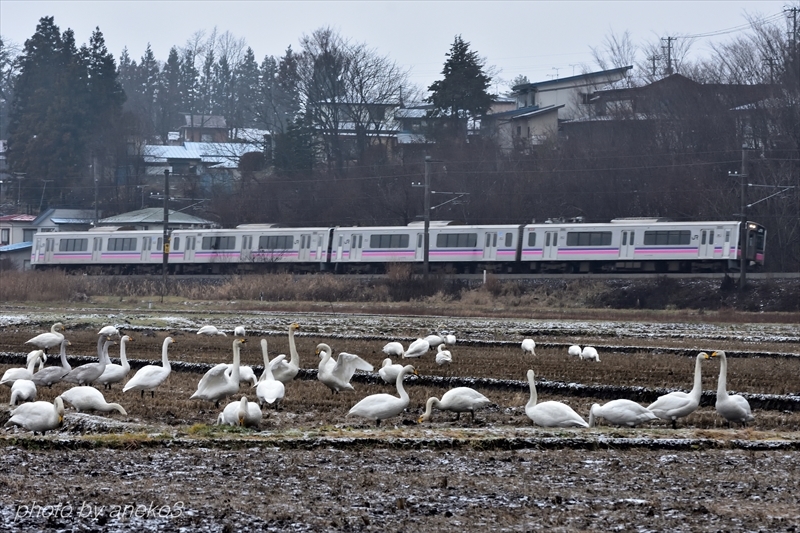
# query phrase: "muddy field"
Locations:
[[308, 467]]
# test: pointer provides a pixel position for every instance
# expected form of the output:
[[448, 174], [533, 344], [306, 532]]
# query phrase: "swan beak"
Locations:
[[415, 372], [419, 420], [715, 354], [69, 343], [244, 341]]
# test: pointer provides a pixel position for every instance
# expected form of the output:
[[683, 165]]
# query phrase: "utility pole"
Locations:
[[427, 230], [165, 249], [743, 213], [669, 53]]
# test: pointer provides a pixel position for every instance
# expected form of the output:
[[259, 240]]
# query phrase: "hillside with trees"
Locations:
[[76, 120]]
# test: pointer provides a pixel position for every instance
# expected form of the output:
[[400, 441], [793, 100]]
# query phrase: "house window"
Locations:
[[27, 234], [5, 236], [519, 131], [206, 138]]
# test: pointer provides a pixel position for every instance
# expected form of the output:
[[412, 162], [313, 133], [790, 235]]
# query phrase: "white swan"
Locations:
[[151, 376], [551, 414], [731, 407], [443, 357], [337, 377], [575, 350], [114, 373], [23, 390], [46, 377], [218, 383], [458, 400], [621, 413], [108, 331], [393, 349], [239, 331], [417, 348], [90, 372], [86, 398], [269, 390], [38, 417], [13, 374], [529, 346], [382, 406], [210, 331], [388, 371], [678, 404], [41, 358], [49, 339], [434, 341], [589, 353], [285, 371], [449, 339], [240, 413]]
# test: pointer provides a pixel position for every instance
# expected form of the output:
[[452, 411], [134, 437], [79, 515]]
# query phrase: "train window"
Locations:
[[624, 238], [456, 240], [633, 233], [98, 244], [547, 241], [420, 237], [660, 238], [176, 243], [388, 241], [509, 239], [146, 242], [711, 237], [494, 240], [219, 243], [532, 239], [121, 244], [488, 240], [703, 237], [727, 235], [74, 245], [588, 238], [275, 242], [158, 244]]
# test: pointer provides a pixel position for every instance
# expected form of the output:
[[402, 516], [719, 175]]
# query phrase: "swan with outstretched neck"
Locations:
[[269, 390], [551, 414], [381, 406], [151, 376], [285, 371], [731, 407], [46, 377], [218, 383], [679, 404]]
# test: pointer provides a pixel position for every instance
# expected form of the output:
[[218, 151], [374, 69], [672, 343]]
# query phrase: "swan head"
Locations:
[[169, 340], [126, 338], [59, 405], [386, 362], [294, 326], [530, 375], [58, 326], [322, 347], [703, 355], [718, 353]]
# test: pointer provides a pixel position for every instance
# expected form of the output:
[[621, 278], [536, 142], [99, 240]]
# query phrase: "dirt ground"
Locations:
[[308, 467]]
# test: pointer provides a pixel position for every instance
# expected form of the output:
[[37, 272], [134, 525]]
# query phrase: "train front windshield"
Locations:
[[756, 242]]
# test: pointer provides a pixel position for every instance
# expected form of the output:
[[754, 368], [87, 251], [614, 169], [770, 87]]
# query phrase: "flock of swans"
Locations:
[[224, 379]]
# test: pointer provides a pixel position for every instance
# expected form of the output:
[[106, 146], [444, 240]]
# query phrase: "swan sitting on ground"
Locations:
[[38, 417], [731, 407], [459, 400], [89, 399], [528, 346], [678, 404], [151, 376], [240, 413], [239, 331], [90, 372], [590, 354], [551, 414], [388, 371], [621, 413], [450, 339], [270, 390], [13, 374], [108, 331], [114, 373], [210, 331], [382, 406], [443, 357], [434, 341], [393, 349], [217, 384], [575, 350], [337, 377], [418, 348], [49, 339], [285, 371], [46, 377], [23, 390]]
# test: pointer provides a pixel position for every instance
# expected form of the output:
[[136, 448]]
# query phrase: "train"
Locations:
[[621, 245]]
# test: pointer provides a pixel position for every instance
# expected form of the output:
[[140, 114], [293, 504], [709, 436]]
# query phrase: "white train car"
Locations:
[[451, 248], [639, 245], [247, 248], [104, 250]]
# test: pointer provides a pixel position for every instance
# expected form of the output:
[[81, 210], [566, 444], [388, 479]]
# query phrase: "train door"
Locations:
[[305, 247], [147, 246], [626, 244], [97, 249], [48, 249], [705, 248], [190, 246], [355, 247], [550, 251], [726, 246], [490, 245], [419, 254], [247, 246]]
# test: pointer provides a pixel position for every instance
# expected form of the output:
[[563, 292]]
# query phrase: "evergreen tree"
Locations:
[[150, 85], [189, 86], [462, 94], [246, 90], [169, 96], [206, 86]]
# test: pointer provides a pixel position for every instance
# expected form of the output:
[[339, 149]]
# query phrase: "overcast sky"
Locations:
[[538, 39]]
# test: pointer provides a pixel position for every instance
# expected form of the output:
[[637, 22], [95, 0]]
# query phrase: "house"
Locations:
[[204, 128], [152, 218], [16, 229], [540, 107]]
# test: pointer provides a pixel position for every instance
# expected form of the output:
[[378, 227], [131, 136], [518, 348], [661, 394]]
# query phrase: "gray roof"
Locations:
[[204, 121], [153, 215]]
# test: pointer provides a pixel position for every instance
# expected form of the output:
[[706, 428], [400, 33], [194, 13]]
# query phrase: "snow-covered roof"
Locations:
[[152, 215], [16, 246], [217, 155]]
